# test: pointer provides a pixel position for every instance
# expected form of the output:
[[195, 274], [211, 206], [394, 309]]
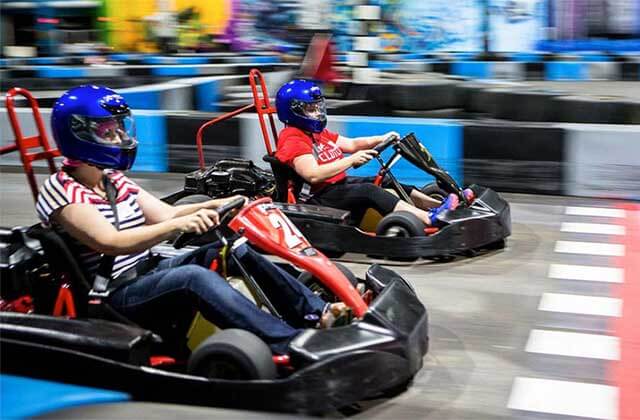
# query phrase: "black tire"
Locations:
[[591, 109], [192, 199], [535, 105], [401, 224], [232, 354], [315, 285], [434, 191], [424, 95]]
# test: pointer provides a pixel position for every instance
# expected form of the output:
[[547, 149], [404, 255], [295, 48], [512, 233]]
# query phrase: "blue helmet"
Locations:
[[93, 124], [300, 104]]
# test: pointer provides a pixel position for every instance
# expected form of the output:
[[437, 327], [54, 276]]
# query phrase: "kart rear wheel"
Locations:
[[316, 285], [232, 354], [434, 191], [192, 199], [400, 224]]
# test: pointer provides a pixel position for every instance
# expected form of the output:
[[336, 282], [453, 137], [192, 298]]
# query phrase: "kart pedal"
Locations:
[[367, 297]]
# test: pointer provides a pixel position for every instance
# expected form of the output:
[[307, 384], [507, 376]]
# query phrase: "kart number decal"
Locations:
[[292, 236]]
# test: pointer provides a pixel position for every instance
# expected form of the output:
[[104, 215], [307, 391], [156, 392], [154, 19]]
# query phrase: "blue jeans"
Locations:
[[166, 297]]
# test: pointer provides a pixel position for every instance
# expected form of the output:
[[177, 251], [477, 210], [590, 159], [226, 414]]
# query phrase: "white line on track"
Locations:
[[579, 304], [595, 212], [586, 273], [563, 397], [563, 343], [595, 228], [590, 248]]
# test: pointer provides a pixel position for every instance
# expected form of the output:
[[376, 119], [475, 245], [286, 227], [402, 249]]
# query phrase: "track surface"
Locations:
[[482, 311]]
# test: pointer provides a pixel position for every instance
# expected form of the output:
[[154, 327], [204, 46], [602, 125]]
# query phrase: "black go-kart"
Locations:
[[53, 327], [473, 227]]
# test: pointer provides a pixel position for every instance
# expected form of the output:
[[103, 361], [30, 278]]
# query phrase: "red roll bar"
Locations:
[[262, 106], [25, 144]]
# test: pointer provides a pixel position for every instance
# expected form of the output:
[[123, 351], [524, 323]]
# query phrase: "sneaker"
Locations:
[[336, 315], [469, 195], [450, 203]]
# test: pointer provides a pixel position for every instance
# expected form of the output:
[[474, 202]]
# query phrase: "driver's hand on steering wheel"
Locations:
[[361, 157], [199, 222], [387, 135]]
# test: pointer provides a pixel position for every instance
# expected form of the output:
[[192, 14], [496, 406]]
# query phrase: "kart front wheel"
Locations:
[[315, 285], [401, 224], [434, 191], [232, 354]]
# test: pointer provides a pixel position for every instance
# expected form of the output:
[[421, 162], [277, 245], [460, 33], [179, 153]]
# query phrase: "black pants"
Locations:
[[357, 194]]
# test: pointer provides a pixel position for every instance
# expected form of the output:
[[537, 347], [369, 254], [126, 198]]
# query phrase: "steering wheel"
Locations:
[[185, 238], [381, 147]]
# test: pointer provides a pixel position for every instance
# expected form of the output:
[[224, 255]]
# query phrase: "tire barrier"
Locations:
[[602, 161], [220, 141], [424, 95], [528, 104], [596, 109], [150, 59], [514, 157], [573, 159]]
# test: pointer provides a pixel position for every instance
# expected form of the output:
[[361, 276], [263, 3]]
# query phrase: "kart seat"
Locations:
[[283, 174], [64, 265]]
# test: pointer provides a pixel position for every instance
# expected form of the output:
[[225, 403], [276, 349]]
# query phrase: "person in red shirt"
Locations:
[[318, 156]]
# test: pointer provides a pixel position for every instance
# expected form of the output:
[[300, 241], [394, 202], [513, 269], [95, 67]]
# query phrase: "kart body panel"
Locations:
[[265, 226], [334, 367], [487, 221]]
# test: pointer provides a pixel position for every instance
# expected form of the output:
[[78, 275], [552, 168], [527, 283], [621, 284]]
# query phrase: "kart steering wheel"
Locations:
[[381, 147], [185, 238]]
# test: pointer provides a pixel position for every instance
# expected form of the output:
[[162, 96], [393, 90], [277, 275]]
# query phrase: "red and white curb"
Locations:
[[619, 398]]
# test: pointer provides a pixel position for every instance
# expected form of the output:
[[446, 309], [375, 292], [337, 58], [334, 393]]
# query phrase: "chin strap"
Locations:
[[103, 277]]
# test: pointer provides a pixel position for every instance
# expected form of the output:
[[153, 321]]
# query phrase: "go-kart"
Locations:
[[325, 369], [54, 326], [483, 224]]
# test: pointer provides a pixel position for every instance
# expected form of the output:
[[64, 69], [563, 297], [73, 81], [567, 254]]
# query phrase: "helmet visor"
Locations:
[[316, 110], [115, 130]]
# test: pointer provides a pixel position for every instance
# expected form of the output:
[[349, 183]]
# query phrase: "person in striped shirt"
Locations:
[[94, 131]]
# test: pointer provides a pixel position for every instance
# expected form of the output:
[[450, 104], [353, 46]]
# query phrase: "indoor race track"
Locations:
[[504, 325]]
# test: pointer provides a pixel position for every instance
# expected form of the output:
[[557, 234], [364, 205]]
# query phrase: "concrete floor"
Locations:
[[481, 309]]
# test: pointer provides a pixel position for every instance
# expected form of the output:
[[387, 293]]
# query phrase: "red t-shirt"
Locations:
[[293, 142]]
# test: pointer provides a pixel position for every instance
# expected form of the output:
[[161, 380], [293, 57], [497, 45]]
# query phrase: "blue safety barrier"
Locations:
[[474, 69], [144, 99], [180, 70], [383, 65], [566, 70], [443, 138], [125, 56], [151, 133], [207, 95], [25, 397], [155, 59], [55, 72]]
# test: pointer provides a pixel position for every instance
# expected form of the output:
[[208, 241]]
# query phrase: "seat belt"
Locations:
[[305, 192], [103, 276]]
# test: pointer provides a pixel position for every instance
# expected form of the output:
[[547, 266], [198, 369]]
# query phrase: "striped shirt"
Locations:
[[61, 189]]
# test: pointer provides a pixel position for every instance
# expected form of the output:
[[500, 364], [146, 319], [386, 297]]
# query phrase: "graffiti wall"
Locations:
[[458, 25]]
